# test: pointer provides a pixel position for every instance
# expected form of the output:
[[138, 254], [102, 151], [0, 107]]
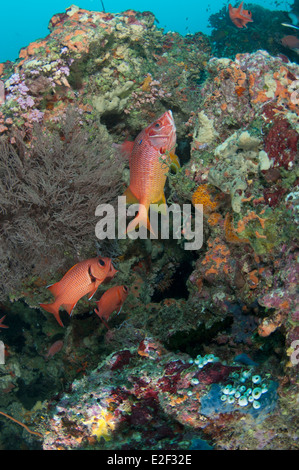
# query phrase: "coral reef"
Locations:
[[160, 400], [203, 353], [112, 64]]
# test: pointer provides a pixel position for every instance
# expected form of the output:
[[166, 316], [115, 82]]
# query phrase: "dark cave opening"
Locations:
[[112, 121], [183, 151], [177, 288], [192, 341]]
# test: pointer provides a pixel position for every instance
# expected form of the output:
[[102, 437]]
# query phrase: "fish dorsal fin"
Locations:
[[55, 289], [71, 269], [131, 198], [94, 289], [240, 7]]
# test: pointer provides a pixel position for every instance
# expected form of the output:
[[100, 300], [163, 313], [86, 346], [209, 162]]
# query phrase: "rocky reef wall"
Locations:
[[196, 324]]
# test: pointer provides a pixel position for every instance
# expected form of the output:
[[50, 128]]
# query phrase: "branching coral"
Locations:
[[49, 192]]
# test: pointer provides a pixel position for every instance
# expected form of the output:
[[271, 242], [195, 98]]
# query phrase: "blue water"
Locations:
[[22, 22]]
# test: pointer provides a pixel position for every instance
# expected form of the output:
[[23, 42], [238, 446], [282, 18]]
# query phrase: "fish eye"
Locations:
[[101, 262], [157, 124]]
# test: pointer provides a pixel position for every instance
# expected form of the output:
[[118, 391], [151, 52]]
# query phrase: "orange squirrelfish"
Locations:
[[110, 301], [239, 16], [147, 172], [55, 348], [83, 278]]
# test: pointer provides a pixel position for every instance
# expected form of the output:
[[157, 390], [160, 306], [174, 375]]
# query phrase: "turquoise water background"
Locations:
[[22, 22]]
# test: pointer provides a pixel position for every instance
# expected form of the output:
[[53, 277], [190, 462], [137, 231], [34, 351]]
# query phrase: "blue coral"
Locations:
[[224, 399]]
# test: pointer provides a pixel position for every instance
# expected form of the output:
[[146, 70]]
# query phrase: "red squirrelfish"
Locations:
[[55, 348], [110, 301], [239, 16], [83, 278], [150, 156], [290, 41]]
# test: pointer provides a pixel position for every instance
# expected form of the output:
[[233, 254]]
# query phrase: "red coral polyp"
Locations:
[[281, 144]]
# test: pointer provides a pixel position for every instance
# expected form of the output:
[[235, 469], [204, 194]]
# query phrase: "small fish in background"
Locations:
[[239, 16], [292, 42], [147, 172], [110, 301], [2, 93], [290, 26], [83, 278], [54, 349], [1, 324]]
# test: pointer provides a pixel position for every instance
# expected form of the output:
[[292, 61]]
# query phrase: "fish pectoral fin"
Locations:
[[174, 162], [54, 309], [96, 310], [131, 198], [69, 308], [94, 289], [119, 310], [92, 277]]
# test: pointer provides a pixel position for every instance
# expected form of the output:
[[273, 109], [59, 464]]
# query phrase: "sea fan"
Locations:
[[49, 190]]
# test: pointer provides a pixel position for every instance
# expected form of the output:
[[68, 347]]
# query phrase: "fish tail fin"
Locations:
[[54, 309], [141, 219]]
